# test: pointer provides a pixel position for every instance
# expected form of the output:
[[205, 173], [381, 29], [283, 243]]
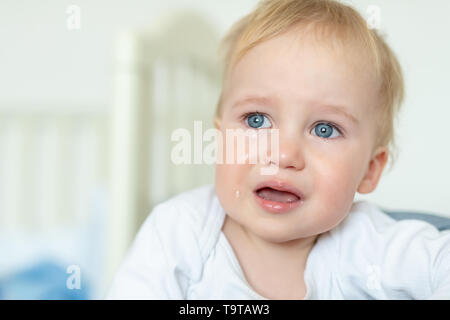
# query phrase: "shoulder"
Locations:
[[191, 215], [367, 218], [402, 253], [170, 249], [195, 203], [192, 207]]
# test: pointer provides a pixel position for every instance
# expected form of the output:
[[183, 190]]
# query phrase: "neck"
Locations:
[[291, 254], [274, 270]]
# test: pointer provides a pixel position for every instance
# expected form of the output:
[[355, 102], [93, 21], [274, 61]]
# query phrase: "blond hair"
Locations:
[[332, 20]]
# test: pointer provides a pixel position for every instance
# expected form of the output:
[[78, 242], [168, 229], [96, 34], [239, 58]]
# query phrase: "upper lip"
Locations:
[[280, 186]]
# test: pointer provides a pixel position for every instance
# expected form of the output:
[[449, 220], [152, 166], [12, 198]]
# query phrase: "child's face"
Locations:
[[300, 82]]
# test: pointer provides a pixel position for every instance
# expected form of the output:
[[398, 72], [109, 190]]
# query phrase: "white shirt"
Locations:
[[180, 252]]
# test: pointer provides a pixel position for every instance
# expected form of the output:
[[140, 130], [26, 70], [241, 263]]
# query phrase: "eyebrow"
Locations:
[[255, 100], [339, 110], [268, 101]]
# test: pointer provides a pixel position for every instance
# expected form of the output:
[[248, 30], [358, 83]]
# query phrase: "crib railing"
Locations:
[[164, 80], [51, 163], [55, 160]]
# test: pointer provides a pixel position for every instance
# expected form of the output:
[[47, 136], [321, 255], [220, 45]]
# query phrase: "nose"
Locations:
[[290, 152]]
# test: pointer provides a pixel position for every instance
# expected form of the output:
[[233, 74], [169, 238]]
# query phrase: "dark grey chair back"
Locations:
[[440, 222]]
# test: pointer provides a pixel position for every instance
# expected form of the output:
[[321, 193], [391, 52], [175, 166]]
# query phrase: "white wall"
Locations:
[[42, 63], [418, 32]]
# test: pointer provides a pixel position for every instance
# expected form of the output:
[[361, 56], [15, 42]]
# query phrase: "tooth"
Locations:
[[260, 194]]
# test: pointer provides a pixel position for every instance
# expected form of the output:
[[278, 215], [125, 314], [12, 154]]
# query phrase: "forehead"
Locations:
[[299, 67]]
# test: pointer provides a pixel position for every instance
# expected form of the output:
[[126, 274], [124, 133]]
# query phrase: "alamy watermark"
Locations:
[[373, 277], [373, 17], [251, 146], [372, 14], [74, 279], [73, 21]]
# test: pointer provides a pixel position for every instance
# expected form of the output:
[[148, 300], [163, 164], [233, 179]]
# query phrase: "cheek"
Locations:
[[229, 179], [334, 191], [337, 182]]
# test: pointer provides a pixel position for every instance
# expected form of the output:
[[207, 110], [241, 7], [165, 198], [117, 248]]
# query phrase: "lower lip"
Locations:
[[276, 207]]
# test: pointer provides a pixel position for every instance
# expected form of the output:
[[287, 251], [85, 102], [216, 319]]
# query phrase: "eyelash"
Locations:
[[248, 114], [335, 126]]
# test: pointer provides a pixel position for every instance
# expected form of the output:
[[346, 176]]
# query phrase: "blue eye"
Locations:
[[325, 130], [258, 121]]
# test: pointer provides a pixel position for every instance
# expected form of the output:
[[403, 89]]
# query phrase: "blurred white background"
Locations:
[[46, 66]]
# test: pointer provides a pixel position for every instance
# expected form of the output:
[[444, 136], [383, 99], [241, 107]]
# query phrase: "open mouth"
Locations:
[[268, 193], [277, 197]]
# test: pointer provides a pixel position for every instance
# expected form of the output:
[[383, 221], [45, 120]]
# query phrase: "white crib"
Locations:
[[167, 77], [64, 168]]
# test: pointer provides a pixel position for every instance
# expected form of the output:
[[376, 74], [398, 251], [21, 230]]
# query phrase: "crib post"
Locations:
[[129, 149]]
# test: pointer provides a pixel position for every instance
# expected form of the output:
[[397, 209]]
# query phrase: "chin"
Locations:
[[274, 234]]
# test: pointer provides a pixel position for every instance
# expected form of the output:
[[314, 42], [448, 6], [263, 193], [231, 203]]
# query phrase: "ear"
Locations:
[[374, 171], [217, 123]]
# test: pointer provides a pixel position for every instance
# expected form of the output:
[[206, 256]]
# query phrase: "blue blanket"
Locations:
[[45, 280]]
